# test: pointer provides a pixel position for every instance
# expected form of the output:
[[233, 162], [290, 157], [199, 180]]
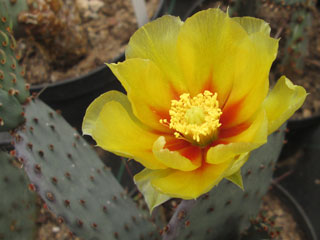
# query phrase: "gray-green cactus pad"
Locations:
[[11, 73], [18, 209], [14, 8], [225, 211], [297, 42], [76, 186], [11, 113]]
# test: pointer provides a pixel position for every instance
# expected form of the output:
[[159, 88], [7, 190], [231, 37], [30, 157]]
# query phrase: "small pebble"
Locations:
[[55, 229], [307, 113], [96, 5]]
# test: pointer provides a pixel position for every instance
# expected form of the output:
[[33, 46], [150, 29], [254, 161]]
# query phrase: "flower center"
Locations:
[[195, 119], [195, 115]]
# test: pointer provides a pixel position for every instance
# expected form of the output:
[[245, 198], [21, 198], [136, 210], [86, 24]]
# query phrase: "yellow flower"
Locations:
[[198, 102]]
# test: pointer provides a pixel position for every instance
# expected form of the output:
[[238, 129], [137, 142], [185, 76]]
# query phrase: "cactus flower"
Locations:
[[198, 102]]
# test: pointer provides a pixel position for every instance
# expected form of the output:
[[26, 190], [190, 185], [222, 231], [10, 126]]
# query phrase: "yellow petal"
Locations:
[[173, 159], [157, 41], [109, 120], [252, 85], [251, 138], [148, 90], [93, 111], [237, 164], [256, 133], [210, 52], [152, 197], [188, 185], [253, 25], [283, 100]]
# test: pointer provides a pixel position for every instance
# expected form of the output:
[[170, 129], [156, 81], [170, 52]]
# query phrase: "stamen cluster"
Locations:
[[195, 119]]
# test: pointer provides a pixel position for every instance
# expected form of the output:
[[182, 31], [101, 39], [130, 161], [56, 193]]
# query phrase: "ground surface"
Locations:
[[108, 24]]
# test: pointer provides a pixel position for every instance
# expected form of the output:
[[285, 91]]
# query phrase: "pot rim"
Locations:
[[298, 212], [308, 121], [38, 87]]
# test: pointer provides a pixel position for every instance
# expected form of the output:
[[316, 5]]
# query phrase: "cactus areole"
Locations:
[[198, 102]]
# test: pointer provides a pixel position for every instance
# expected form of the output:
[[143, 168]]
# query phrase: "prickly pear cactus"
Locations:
[[262, 227], [18, 209], [13, 90], [11, 73], [297, 33], [226, 211], [74, 183], [297, 40], [14, 7], [243, 8], [11, 113]]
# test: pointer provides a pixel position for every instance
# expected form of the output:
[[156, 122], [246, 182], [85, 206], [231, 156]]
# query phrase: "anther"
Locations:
[[195, 119]]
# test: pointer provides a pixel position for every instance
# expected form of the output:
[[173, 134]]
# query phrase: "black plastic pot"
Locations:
[[297, 212], [74, 95], [183, 8], [300, 124], [304, 181], [298, 135]]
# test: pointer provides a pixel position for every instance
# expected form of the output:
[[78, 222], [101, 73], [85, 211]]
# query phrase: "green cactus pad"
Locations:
[[11, 112], [297, 41], [11, 73], [225, 211], [74, 183], [14, 8], [18, 209]]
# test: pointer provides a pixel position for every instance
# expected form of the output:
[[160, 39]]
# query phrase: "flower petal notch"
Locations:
[[198, 102]]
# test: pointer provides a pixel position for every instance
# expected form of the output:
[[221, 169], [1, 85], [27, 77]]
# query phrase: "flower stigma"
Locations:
[[195, 119]]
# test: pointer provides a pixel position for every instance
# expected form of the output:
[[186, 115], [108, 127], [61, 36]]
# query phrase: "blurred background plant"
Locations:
[[56, 28]]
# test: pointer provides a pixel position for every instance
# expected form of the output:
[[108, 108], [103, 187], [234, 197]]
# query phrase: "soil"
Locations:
[[279, 18], [273, 206], [108, 25], [50, 228]]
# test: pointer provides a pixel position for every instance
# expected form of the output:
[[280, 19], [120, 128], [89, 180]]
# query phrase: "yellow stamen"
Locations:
[[195, 119]]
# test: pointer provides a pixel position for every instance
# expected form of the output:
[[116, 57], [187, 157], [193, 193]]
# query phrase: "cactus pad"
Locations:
[[297, 41], [18, 209], [11, 113], [11, 73], [14, 7], [74, 183]]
